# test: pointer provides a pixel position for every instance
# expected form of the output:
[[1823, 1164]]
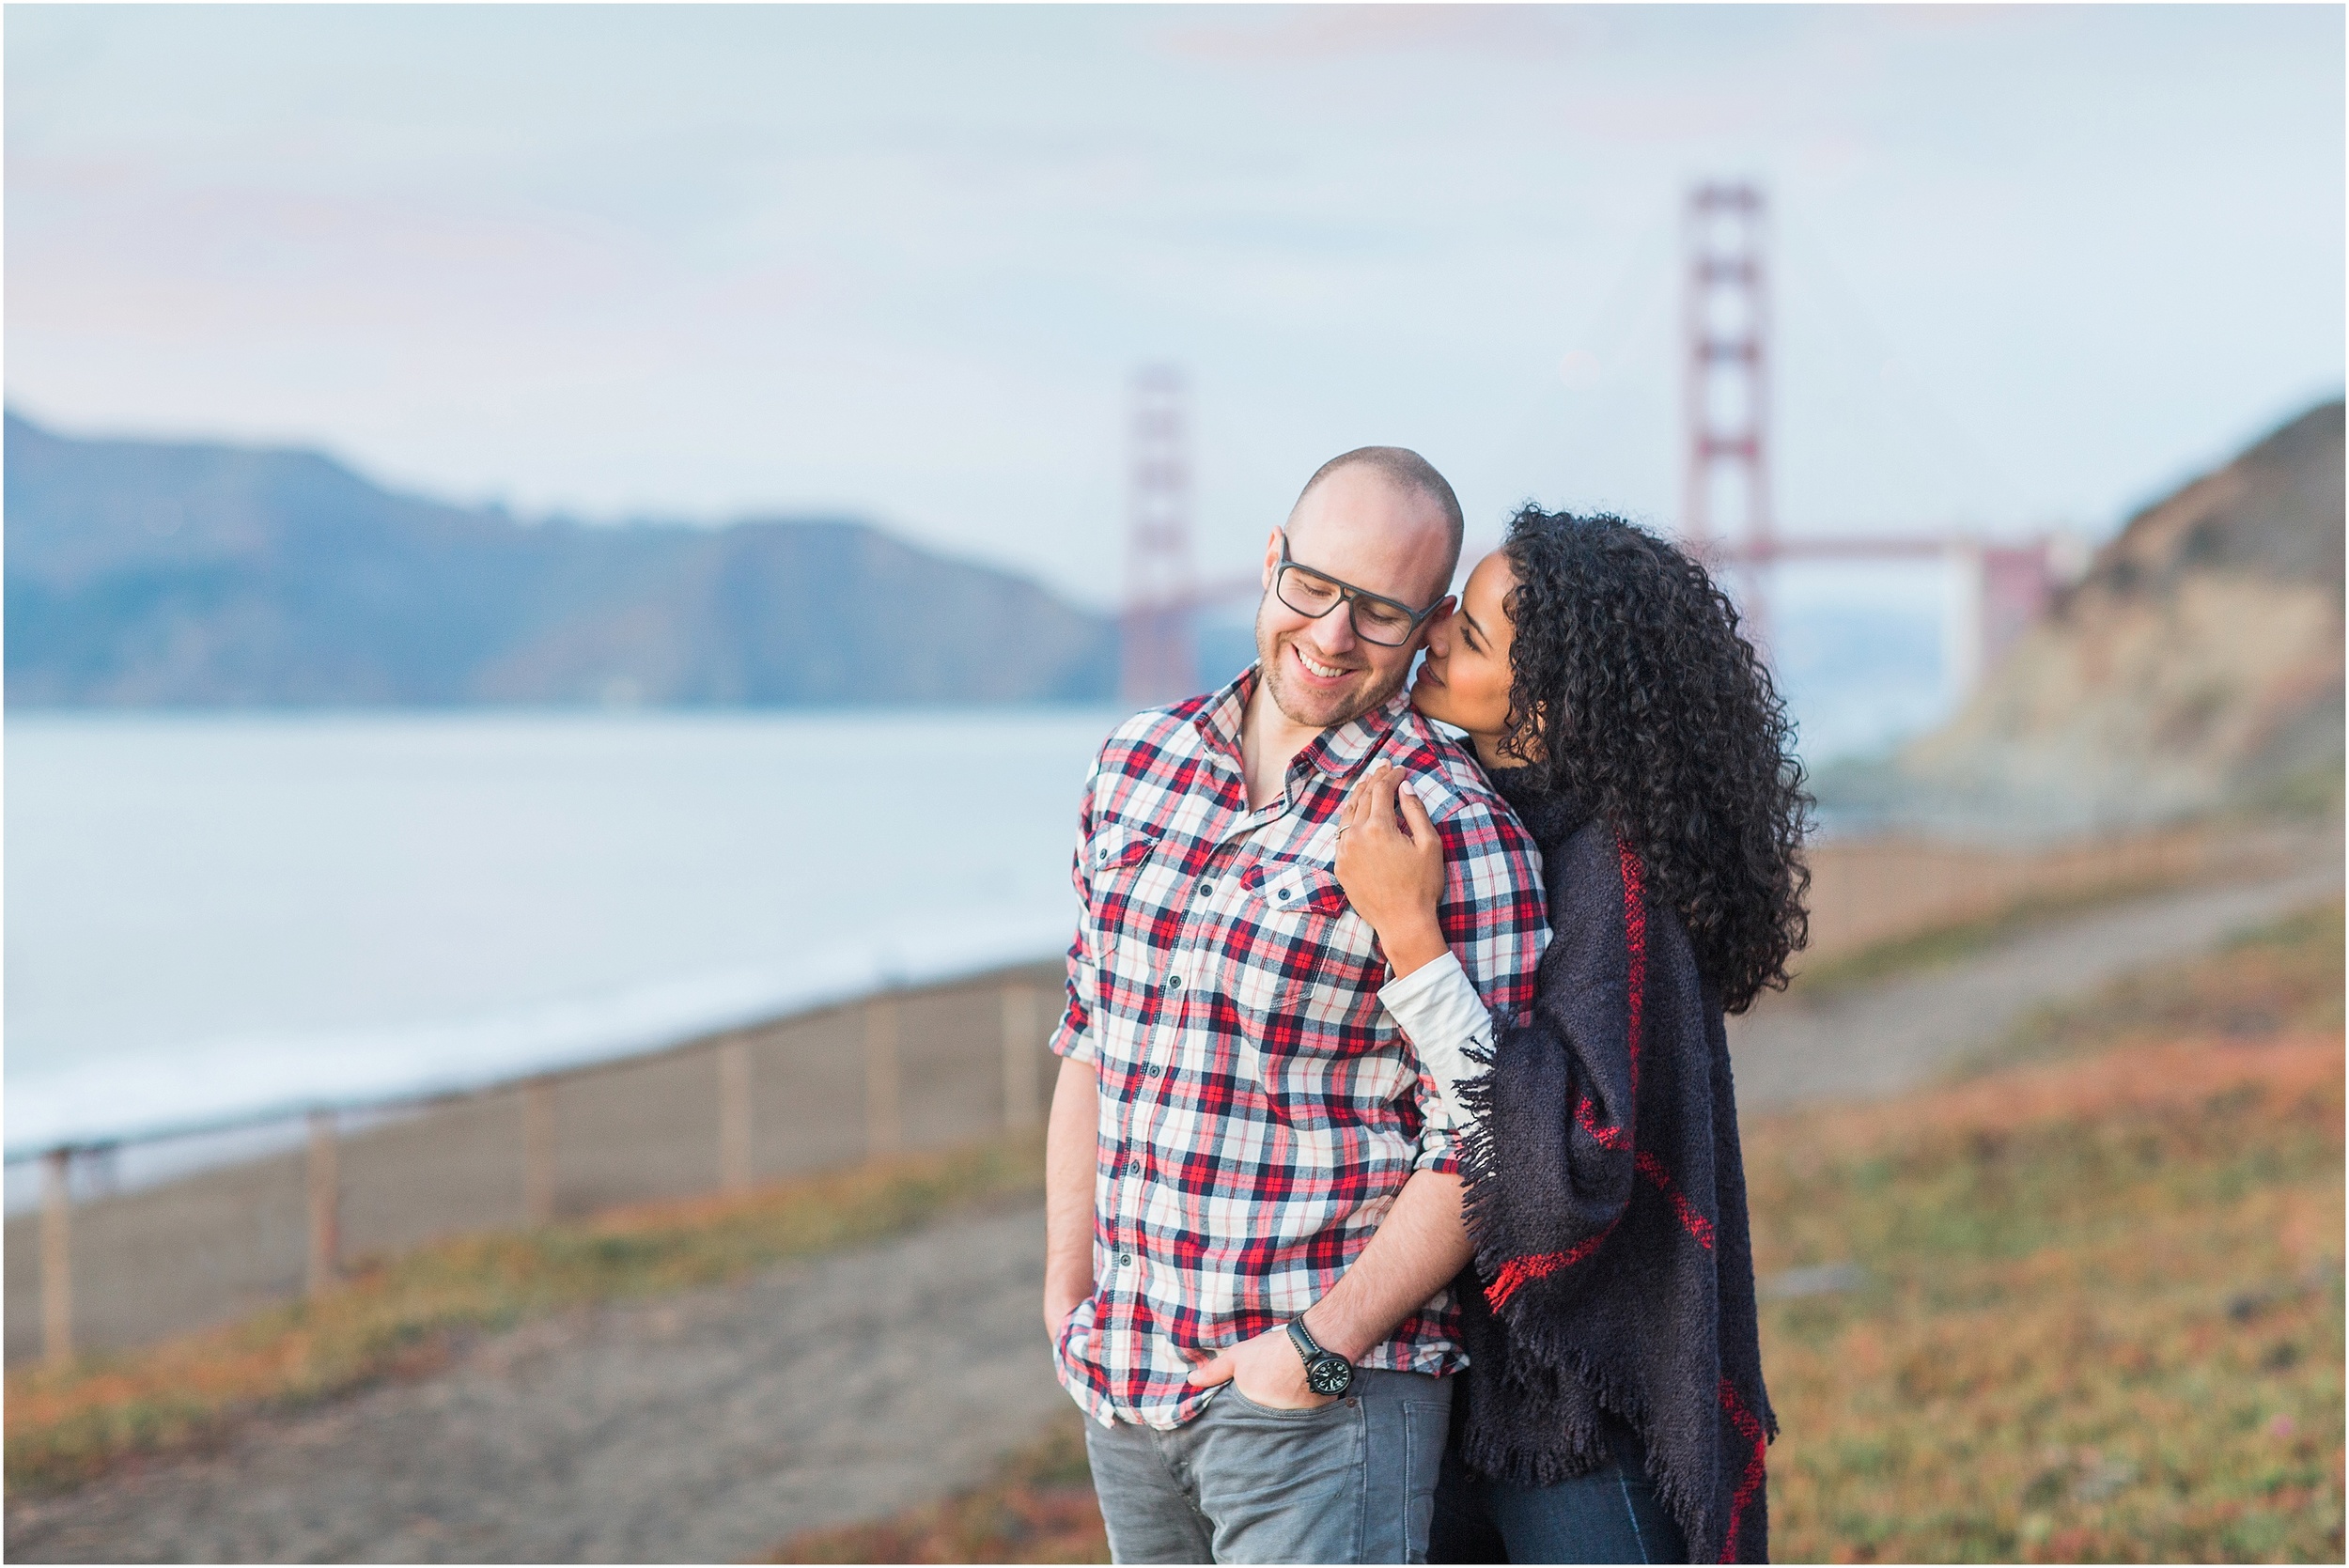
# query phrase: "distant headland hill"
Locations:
[[2198, 666], [146, 574]]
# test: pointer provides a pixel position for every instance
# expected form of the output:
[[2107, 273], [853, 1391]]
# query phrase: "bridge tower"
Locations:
[[1725, 386], [1157, 652]]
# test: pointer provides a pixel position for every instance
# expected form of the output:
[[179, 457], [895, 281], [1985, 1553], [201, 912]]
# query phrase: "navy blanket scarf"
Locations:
[[1607, 1198]]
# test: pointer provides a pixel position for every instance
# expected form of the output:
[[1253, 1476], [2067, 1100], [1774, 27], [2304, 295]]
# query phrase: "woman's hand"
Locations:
[[1394, 878]]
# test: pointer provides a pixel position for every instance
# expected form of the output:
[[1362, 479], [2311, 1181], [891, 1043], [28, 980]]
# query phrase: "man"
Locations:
[[1252, 1220]]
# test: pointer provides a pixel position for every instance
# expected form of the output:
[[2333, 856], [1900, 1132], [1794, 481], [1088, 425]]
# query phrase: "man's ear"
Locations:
[[1444, 606], [1272, 555]]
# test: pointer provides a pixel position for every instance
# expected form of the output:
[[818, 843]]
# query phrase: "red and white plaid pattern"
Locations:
[[1259, 1109]]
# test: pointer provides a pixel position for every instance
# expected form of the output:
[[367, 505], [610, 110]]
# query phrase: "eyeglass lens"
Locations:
[[1309, 593]]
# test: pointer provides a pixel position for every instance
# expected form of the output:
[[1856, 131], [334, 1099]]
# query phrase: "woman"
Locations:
[[1613, 1409]]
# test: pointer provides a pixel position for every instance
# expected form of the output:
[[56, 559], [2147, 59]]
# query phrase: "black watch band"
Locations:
[[1327, 1373]]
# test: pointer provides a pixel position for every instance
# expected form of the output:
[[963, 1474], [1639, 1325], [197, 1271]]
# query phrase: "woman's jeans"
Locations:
[[1608, 1514]]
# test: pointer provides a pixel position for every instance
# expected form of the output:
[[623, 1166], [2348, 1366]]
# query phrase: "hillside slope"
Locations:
[[2197, 664], [150, 574]]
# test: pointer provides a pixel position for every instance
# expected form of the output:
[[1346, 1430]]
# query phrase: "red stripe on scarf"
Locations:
[[1635, 944], [1519, 1272], [1586, 1114], [1756, 1467], [1690, 1220], [1635, 940]]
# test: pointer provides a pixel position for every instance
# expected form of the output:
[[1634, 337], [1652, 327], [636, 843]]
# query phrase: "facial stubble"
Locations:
[[1269, 660]]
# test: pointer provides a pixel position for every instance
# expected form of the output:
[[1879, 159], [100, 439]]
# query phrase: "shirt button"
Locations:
[[1173, 982], [1155, 1069], [1125, 1260], [1206, 889]]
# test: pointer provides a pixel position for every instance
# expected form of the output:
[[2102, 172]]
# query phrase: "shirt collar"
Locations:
[[1337, 752], [1223, 713]]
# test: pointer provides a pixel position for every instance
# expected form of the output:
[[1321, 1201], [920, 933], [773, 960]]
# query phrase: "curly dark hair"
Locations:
[[1632, 690]]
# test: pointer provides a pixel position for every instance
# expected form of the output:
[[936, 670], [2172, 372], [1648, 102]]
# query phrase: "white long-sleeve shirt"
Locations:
[[1439, 1011]]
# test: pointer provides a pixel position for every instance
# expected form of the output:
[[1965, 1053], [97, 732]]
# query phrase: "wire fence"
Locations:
[[136, 1240]]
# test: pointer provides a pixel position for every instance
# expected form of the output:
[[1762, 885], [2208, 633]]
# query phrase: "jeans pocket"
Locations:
[[1303, 1412], [1283, 1486]]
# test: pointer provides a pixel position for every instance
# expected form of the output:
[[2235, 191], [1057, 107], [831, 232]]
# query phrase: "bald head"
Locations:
[[1410, 478]]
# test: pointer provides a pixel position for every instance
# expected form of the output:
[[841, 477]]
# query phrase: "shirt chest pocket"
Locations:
[[1304, 888], [1302, 949], [1116, 850], [1118, 878]]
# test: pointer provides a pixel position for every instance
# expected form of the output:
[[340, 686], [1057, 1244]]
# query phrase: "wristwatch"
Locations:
[[1326, 1371]]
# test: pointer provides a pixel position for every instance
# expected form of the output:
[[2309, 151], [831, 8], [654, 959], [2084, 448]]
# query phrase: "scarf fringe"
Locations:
[[1688, 1501], [1480, 1164]]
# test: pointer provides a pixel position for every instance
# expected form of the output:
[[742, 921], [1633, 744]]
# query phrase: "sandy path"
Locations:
[[703, 1428], [712, 1426], [1884, 1038]]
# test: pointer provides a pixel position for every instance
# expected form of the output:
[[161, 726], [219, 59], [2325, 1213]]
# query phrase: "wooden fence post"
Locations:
[[56, 1258], [734, 1114], [1020, 1042], [326, 1204], [538, 1151], [884, 1122]]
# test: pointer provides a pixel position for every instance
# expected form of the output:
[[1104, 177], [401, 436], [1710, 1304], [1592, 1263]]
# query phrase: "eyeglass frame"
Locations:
[[1349, 595]]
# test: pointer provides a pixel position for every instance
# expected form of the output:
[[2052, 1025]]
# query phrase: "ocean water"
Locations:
[[214, 916], [211, 916]]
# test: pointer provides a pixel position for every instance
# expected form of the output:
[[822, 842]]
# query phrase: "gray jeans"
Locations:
[[1353, 1481]]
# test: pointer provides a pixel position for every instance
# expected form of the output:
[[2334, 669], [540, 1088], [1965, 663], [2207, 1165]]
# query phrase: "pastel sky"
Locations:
[[2031, 265]]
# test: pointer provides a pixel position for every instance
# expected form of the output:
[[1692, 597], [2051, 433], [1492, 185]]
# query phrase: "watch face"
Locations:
[[1329, 1375]]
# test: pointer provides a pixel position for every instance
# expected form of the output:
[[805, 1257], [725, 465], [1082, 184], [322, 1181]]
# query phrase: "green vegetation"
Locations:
[[2100, 1325], [409, 1313], [2103, 1318]]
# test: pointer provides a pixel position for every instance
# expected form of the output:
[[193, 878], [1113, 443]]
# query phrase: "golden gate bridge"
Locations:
[[1726, 513]]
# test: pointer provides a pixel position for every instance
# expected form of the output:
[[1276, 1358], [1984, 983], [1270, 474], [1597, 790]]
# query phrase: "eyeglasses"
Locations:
[[1377, 618]]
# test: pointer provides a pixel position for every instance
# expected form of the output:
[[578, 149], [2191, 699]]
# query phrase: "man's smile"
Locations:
[[1315, 668]]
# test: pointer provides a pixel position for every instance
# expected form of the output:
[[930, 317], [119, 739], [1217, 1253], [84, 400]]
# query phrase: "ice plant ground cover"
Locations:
[[2083, 1303], [2099, 1315]]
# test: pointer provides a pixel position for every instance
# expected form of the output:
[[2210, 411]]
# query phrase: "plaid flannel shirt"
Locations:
[[1259, 1110]]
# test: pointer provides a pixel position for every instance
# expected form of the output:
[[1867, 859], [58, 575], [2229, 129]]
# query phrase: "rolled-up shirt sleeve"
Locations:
[[1072, 1039]]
